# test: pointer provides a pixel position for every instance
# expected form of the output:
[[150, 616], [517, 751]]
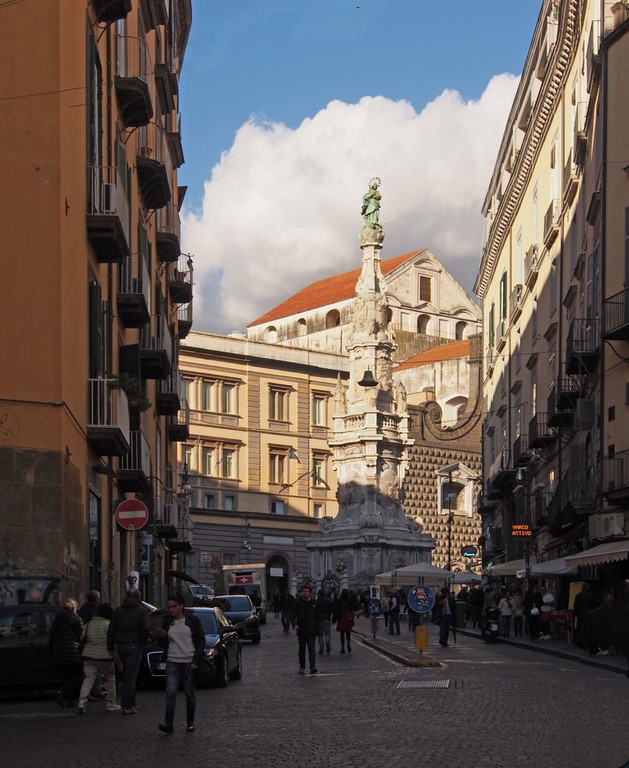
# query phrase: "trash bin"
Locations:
[[421, 638], [461, 610]]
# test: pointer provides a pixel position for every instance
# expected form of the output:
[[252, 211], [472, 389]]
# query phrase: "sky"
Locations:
[[290, 107]]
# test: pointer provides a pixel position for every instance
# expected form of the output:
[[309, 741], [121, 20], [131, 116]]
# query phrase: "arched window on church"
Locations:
[[301, 327], [333, 318], [460, 330], [270, 334], [423, 322]]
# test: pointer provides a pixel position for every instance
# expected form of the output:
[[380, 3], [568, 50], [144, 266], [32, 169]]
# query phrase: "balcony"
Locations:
[[180, 280], [184, 320], [107, 216], [131, 83], [167, 86], [516, 301], [167, 396], [153, 175], [501, 335], [583, 345], [522, 454], [134, 295], [551, 223], [179, 424], [579, 139], [156, 349], [173, 138], [502, 469], [615, 480], [134, 469], [540, 435], [531, 266], [616, 316], [556, 417], [539, 503], [167, 233], [570, 180], [111, 10], [108, 418]]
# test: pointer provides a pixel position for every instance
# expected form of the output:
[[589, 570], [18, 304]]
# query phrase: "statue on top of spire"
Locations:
[[371, 205]]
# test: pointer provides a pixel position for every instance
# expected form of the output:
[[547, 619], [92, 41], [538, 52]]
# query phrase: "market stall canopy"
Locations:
[[603, 553], [506, 569], [467, 577], [409, 573], [557, 567]]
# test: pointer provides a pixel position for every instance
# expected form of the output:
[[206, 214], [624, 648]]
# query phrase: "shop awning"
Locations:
[[410, 573], [558, 567], [509, 568], [603, 553]]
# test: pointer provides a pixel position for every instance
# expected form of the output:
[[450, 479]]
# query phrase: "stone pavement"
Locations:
[[402, 648]]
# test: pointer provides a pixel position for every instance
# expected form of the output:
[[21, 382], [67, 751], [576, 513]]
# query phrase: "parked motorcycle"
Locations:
[[491, 623]]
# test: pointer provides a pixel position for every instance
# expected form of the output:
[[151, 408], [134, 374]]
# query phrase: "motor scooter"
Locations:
[[491, 623]]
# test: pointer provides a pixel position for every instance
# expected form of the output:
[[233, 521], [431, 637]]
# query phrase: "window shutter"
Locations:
[[97, 345]]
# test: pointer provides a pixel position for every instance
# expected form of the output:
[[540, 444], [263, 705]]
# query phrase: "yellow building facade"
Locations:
[[97, 293], [555, 258]]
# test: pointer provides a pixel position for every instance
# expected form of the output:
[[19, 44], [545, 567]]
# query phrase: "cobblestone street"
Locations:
[[488, 705]]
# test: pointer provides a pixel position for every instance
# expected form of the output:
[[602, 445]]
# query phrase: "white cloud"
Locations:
[[282, 207]]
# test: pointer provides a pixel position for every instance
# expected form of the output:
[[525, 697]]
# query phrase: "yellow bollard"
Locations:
[[421, 638]]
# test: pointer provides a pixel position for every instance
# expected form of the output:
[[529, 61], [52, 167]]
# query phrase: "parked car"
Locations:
[[223, 655], [24, 654], [243, 615]]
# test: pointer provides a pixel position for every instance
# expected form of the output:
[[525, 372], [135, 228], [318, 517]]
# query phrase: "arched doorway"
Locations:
[[277, 576]]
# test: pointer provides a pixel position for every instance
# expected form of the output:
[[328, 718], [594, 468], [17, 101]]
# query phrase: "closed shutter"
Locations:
[[96, 339]]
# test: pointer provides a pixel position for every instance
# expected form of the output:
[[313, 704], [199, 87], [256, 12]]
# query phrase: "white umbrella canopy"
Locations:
[[467, 577], [415, 571]]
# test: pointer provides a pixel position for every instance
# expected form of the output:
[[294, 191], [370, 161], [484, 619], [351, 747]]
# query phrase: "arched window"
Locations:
[[422, 324], [333, 318], [460, 330], [270, 334], [301, 327]]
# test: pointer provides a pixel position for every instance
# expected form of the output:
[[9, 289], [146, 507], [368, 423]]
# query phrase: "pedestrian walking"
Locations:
[[306, 628], [394, 614], [505, 608], [275, 604], [343, 614], [532, 603], [64, 642], [475, 603], [518, 614], [323, 607], [445, 607], [385, 609], [98, 662], [548, 607], [127, 634], [184, 645], [87, 612], [287, 610]]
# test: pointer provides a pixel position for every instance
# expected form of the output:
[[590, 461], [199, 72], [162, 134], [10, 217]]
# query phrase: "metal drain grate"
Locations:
[[404, 684]]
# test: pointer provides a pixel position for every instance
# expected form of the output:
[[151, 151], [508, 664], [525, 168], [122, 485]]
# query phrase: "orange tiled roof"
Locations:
[[452, 351], [327, 291]]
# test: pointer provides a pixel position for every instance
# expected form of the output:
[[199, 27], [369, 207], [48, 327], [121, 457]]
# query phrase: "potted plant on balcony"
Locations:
[[132, 387]]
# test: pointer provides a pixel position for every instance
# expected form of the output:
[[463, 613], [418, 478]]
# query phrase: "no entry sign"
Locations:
[[132, 514]]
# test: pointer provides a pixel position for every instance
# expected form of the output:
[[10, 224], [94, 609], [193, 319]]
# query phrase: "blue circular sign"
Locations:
[[374, 608], [420, 599]]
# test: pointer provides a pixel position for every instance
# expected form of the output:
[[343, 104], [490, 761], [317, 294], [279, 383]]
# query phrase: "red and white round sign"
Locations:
[[132, 514]]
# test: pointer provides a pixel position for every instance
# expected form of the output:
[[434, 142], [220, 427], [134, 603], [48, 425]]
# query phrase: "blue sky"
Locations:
[[289, 103]]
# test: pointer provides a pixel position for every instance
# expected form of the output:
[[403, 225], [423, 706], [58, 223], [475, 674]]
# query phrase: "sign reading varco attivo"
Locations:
[[518, 530]]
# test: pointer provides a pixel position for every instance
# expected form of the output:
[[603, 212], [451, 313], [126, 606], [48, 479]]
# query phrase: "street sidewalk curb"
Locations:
[[422, 660]]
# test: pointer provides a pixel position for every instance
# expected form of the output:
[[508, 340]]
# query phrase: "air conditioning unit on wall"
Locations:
[[608, 524]]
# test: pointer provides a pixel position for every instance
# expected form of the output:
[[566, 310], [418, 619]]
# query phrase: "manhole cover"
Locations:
[[404, 684]]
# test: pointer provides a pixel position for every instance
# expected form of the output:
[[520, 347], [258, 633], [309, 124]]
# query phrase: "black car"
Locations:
[[223, 655], [243, 615], [24, 653]]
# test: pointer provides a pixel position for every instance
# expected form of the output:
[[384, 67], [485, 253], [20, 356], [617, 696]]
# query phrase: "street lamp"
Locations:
[[451, 497]]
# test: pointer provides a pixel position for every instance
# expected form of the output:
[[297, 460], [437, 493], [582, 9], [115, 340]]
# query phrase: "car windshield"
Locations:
[[208, 620], [202, 591], [24, 623], [239, 603]]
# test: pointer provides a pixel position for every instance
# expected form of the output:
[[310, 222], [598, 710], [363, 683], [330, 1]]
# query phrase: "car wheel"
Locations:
[[236, 674], [221, 679], [256, 638]]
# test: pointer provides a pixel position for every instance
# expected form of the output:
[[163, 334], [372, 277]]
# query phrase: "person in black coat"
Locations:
[[324, 620], [306, 628], [445, 608], [64, 644]]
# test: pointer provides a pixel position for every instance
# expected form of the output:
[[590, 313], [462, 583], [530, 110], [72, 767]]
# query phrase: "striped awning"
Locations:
[[603, 553]]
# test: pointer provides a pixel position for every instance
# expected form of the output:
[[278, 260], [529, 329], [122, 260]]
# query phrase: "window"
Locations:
[[318, 511], [611, 413], [186, 391], [278, 404], [492, 327], [319, 410], [220, 460], [229, 503], [319, 471], [278, 458], [278, 507], [425, 288], [219, 396], [187, 456], [333, 318], [503, 296], [210, 501]]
